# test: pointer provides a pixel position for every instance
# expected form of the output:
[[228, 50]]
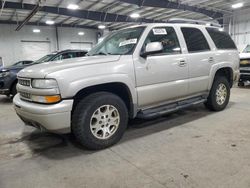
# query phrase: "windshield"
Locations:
[[20, 63], [122, 42], [44, 59], [247, 49]]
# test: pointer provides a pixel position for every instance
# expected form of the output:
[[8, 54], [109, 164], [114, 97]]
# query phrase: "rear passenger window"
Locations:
[[195, 40], [221, 39], [168, 38]]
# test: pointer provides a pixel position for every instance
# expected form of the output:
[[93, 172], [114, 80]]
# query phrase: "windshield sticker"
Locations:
[[126, 42], [159, 31]]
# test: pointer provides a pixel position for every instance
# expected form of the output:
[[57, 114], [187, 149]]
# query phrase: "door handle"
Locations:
[[210, 59], [182, 63]]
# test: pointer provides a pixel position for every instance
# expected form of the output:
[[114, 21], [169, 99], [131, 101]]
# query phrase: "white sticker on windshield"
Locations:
[[126, 42], [159, 31]]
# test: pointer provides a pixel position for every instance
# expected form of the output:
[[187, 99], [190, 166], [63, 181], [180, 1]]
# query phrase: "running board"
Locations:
[[169, 108]]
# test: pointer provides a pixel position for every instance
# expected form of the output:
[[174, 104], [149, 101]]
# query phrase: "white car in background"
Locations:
[[244, 66]]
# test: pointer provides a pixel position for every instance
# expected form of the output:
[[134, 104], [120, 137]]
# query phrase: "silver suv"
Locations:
[[143, 71]]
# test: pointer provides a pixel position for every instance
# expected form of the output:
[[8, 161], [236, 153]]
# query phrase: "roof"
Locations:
[[114, 13]]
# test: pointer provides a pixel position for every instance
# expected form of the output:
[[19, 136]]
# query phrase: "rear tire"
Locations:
[[99, 120], [219, 94]]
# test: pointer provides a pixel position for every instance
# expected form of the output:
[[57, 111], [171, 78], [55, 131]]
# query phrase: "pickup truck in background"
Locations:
[[244, 66]]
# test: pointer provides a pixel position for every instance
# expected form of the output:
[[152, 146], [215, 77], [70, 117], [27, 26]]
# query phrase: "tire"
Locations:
[[241, 84], [89, 113], [217, 104], [13, 90]]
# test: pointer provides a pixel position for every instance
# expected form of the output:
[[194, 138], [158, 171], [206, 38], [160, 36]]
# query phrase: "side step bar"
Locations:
[[171, 107]]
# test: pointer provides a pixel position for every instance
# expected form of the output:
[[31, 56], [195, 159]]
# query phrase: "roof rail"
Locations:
[[199, 22]]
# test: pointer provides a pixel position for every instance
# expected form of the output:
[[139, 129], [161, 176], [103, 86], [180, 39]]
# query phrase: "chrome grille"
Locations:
[[24, 82]]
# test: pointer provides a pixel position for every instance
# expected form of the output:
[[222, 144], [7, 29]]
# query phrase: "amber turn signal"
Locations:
[[52, 99]]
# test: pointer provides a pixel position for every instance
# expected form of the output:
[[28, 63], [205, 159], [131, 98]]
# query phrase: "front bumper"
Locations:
[[52, 118], [244, 77], [4, 86], [4, 91], [244, 74]]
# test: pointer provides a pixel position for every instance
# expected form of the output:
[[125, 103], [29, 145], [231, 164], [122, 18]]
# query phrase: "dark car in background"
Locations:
[[8, 75], [18, 64]]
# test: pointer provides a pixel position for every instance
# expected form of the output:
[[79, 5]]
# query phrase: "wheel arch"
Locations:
[[118, 88], [226, 71]]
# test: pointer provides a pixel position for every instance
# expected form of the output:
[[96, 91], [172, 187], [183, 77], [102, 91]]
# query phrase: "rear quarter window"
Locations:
[[222, 40]]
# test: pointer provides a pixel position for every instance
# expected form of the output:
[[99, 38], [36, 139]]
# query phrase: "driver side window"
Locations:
[[167, 36]]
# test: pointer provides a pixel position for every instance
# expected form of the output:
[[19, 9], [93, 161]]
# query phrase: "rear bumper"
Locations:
[[52, 118]]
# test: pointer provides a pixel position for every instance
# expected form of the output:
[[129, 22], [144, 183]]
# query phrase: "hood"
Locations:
[[12, 67], [244, 55], [41, 70]]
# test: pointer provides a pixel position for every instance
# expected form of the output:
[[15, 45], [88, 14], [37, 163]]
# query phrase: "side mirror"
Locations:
[[152, 48]]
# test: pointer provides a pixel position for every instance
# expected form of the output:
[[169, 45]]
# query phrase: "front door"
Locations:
[[163, 76]]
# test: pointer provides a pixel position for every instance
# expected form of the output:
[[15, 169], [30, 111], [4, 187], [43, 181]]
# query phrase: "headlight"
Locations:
[[4, 73], [44, 83]]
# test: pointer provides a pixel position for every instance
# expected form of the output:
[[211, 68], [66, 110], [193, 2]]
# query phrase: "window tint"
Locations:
[[168, 38], [195, 40], [221, 39], [68, 55], [80, 54], [27, 62]]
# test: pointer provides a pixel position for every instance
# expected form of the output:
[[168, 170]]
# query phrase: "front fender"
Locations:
[[74, 87]]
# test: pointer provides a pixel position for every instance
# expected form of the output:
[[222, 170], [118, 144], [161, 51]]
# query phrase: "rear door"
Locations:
[[200, 59]]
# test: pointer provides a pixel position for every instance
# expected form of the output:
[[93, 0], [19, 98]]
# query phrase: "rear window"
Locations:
[[222, 40], [195, 40]]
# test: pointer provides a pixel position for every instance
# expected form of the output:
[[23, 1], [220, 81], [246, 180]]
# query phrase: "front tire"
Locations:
[[99, 120], [219, 94], [13, 90], [241, 84]]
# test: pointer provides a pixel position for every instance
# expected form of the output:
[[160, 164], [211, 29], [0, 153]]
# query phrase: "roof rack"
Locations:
[[199, 22]]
